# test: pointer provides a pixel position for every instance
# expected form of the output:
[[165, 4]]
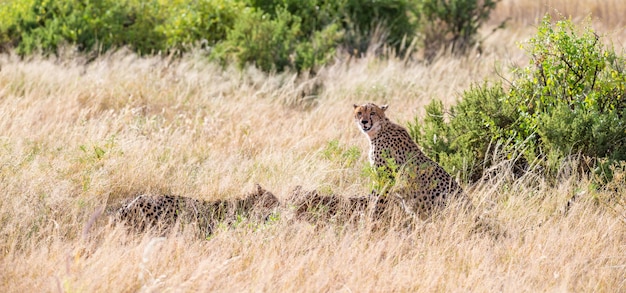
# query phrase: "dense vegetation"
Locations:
[[569, 103], [273, 34]]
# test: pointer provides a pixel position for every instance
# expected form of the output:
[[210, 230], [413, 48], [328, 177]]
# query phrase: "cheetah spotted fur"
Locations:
[[163, 211], [421, 184]]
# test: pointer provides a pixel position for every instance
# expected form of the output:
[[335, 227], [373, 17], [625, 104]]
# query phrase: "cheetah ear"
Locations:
[[355, 106], [384, 107]]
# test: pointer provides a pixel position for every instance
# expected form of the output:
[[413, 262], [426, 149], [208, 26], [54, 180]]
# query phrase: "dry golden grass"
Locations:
[[607, 14], [75, 138]]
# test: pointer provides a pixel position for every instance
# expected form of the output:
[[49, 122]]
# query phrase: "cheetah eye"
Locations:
[[358, 113], [372, 114]]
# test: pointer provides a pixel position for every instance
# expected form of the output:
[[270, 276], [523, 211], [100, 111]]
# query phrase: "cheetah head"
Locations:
[[369, 116]]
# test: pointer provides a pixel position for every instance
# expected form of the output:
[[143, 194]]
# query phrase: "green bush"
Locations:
[[315, 15], [464, 143], [392, 22], [570, 100], [10, 12], [452, 24], [277, 42], [273, 34], [305, 34], [356, 19], [43, 25], [187, 23], [144, 26], [258, 38]]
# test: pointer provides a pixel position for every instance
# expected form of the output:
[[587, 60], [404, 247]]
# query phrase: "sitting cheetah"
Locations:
[[421, 184], [163, 211]]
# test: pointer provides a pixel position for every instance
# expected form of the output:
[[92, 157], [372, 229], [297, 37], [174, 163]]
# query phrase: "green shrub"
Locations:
[[305, 34], [452, 24], [273, 34], [43, 25], [319, 50], [362, 18], [315, 15], [383, 178], [570, 100], [356, 19], [139, 22], [257, 38], [10, 15], [188, 23], [144, 26], [464, 143]]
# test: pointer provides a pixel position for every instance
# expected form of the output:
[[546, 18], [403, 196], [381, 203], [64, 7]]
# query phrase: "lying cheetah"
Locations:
[[317, 208], [163, 211], [421, 184]]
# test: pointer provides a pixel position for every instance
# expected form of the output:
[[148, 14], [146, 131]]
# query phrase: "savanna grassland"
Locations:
[[77, 138]]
